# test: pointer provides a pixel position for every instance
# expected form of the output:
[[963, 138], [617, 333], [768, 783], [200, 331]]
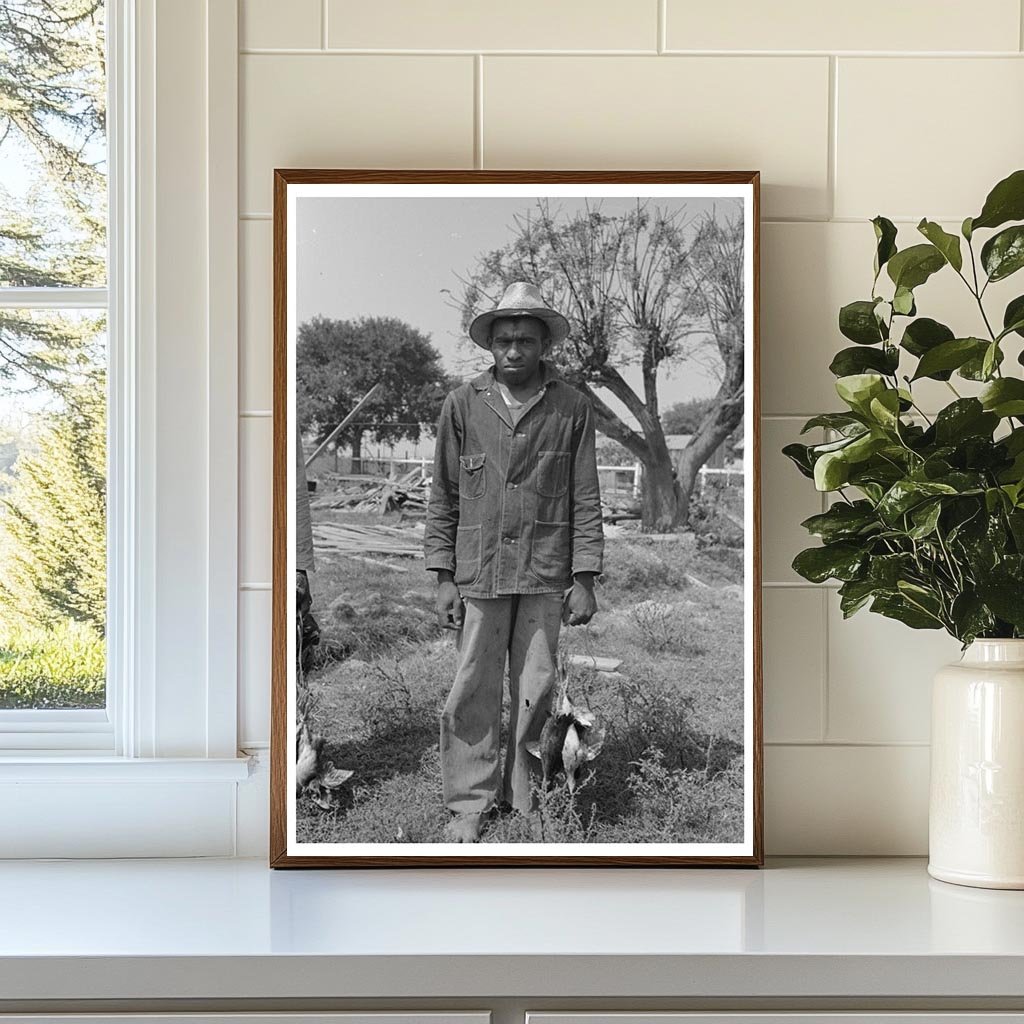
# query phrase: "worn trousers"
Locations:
[[522, 628]]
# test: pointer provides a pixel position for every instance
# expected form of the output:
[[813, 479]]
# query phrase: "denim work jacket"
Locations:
[[514, 510]]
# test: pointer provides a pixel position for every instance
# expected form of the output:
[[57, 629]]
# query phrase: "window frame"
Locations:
[[172, 513], [58, 730]]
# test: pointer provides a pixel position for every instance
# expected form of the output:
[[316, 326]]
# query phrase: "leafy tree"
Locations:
[[52, 122], [338, 361], [53, 519], [686, 418], [640, 289]]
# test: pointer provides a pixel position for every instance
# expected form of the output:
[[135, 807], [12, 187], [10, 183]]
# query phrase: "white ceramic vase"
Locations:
[[976, 812]]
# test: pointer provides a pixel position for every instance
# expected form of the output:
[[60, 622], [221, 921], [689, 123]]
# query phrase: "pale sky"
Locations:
[[397, 256]]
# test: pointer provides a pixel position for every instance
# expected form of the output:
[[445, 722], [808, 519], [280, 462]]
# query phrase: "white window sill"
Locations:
[[78, 766], [195, 931]]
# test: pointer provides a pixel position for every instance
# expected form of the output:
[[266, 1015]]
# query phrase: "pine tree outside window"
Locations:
[[53, 369]]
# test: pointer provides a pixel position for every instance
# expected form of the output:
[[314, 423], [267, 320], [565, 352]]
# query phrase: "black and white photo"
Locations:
[[515, 547]]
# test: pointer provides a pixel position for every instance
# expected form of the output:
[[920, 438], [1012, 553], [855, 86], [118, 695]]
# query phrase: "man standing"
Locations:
[[514, 534]]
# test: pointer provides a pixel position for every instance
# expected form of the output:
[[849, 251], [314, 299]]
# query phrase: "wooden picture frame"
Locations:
[[700, 190]]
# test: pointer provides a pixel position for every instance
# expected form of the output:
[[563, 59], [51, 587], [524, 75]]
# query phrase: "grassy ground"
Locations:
[[59, 667], [672, 765]]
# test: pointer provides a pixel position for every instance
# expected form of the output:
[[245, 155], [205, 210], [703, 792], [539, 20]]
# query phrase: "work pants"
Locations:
[[522, 628]]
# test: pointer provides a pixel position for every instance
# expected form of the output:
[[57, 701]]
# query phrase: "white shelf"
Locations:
[[233, 929]]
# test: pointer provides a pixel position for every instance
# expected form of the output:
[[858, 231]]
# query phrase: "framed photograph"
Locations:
[[516, 550]]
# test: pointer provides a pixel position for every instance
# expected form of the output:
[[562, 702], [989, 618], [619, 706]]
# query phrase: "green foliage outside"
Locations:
[[52, 380], [59, 667], [927, 526], [53, 522]]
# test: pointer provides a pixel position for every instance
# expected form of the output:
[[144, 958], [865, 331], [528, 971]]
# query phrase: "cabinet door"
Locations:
[[361, 1017], [784, 1017]]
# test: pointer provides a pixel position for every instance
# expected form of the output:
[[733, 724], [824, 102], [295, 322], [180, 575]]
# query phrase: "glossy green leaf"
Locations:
[[833, 420], [911, 267], [947, 244], [885, 409], [923, 335], [950, 355], [887, 570], [1013, 317], [854, 594], [858, 389], [971, 616], [899, 608], [1005, 202], [964, 418], [903, 302], [906, 494], [857, 321], [1003, 254], [885, 238], [1004, 397], [974, 368], [990, 360], [925, 518], [1005, 596], [849, 361], [831, 471], [840, 561], [799, 455], [865, 446], [842, 521], [965, 228]]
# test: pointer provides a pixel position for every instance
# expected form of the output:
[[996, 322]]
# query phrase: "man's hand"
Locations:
[[580, 604], [448, 602]]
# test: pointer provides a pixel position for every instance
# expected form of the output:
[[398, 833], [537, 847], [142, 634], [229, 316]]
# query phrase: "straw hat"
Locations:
[[521, 298]]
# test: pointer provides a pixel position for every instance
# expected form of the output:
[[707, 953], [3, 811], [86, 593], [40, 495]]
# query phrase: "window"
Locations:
[[53, 372]]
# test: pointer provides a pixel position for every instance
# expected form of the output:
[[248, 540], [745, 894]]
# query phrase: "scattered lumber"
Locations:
[[379, 562], [407, 493], [363, 538], [598, 664]]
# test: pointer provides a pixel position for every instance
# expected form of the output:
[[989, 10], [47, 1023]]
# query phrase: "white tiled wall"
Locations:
[[906, 109]]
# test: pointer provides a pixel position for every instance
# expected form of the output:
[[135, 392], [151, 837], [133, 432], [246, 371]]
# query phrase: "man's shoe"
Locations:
[[465, 828]]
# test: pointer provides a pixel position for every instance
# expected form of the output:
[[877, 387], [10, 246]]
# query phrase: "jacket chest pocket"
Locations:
[[552, 473], [472, 482]]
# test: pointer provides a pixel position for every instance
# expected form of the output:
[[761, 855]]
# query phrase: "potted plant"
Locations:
[[927, 521]]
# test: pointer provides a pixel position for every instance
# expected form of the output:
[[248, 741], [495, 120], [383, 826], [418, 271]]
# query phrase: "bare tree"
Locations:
[[643, 288]]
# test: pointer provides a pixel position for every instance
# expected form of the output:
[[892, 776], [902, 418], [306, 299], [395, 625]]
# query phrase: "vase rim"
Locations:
[[995, 651]]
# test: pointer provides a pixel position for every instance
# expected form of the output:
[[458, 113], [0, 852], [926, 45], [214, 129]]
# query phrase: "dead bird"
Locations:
[[570, 739], [314, 776]]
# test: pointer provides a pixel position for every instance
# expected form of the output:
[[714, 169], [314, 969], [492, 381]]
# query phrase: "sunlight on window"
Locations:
[[53, 224]]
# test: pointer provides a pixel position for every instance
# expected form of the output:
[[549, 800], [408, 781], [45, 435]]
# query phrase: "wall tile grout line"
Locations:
[[832, 146], [478, 111], [662, 26], [865, 220], [323, 24], [352, 51], [854, 744], [823, 724], [1020, 24]]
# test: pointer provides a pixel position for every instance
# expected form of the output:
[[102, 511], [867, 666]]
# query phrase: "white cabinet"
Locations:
[[362, 1017], [784, 1017]]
